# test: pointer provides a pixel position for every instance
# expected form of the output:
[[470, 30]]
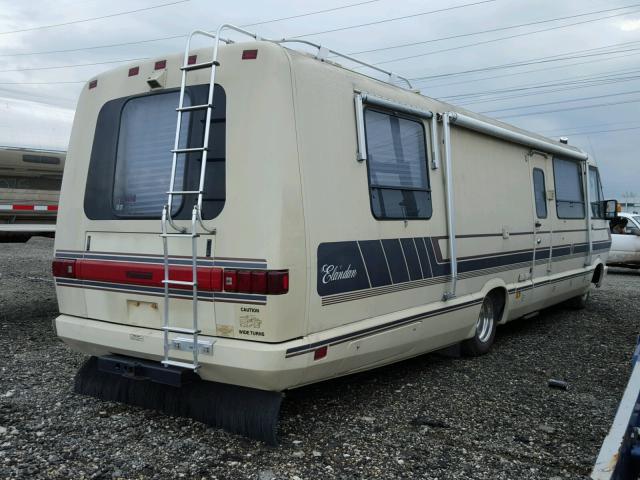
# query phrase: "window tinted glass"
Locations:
[[540, 194], [30, 183], [568, 183], [143, 156], [131, 156], [396, 152], [595, 190]]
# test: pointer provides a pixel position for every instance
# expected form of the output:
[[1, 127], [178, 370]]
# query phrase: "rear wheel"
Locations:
[[485, 332]]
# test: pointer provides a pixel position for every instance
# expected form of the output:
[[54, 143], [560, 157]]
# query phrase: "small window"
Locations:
[[398, 180], [143, 158], [569, 191], [539, 190], [595, 190]]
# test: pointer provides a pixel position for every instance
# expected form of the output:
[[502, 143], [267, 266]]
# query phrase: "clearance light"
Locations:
[[133, 71], [320, 353], [160, 64], [249, 54], [192, 59], [63, 268], [93, 84]]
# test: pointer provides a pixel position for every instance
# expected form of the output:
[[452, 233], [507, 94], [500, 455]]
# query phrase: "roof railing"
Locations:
[[322, 53]]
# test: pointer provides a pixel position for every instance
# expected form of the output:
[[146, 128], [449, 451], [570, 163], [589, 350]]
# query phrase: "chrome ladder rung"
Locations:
[[190, 150], [199, 66], [175, 363], [180, 235], [194, 107], [186, 331], [180, 282]]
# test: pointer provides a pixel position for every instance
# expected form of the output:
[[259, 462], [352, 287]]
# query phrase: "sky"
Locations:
[[561, 68]]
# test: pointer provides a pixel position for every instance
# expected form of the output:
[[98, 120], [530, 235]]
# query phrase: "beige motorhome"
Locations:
[[338, 223], [30, 182]]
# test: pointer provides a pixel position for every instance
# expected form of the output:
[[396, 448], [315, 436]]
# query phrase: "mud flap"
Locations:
[[246, 411]]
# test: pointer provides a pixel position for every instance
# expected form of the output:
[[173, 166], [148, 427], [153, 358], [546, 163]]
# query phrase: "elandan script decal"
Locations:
[[331, 273]]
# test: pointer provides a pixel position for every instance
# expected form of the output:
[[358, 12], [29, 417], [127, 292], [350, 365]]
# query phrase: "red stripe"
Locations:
[[150, 275], [52, 208], [23, 207]]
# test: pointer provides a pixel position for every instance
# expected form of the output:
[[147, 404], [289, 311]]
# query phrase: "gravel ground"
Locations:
[[432, 417]]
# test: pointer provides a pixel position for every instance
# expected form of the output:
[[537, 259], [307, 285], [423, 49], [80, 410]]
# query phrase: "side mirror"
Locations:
[[610, 208]]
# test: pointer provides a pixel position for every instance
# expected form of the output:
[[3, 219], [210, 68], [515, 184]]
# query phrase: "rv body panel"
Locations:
[[363, 290]]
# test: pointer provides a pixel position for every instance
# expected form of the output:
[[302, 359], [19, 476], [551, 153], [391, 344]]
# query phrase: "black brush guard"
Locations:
[[180, 392]]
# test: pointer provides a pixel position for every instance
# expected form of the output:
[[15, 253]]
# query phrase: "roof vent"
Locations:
[[157, 79]]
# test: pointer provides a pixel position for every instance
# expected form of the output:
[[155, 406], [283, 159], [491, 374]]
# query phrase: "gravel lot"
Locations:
[[430, 417]]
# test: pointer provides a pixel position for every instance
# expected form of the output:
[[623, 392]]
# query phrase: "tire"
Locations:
[[579, 302], [485, 332]]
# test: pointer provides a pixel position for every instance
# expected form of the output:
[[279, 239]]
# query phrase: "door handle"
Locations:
[[538, 224], [538, 241]]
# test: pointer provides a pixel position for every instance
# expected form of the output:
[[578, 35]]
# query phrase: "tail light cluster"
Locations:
[[265, 282], [270, 282]]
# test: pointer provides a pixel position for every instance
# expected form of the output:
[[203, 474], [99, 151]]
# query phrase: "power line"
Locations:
[[596, 125], [525, 72], [492, 30], [387, 20], [593, 132], [582, 81], [41, 27], [570, 109], [534, 61], [529, 94], [594, 97], [75, 65], [309, 14], [173, 37], [459, 47]]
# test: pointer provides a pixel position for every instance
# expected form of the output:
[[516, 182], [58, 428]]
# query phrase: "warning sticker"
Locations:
[[249, 321]]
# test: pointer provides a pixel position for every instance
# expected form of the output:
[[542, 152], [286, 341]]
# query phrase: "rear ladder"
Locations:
[[168, 223], [170, 229]]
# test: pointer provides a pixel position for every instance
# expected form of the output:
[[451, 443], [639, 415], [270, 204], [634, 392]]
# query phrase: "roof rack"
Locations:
[[322, 52]]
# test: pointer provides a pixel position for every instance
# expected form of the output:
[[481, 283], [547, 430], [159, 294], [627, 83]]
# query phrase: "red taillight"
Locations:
[[320, 353], [63, 268], [259, 281], [216, 279], [265, 282], [244, 281], [249, 54], [278, 282]]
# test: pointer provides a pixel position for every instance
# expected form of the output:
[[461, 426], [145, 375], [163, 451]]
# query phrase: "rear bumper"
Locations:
[[249, 364]]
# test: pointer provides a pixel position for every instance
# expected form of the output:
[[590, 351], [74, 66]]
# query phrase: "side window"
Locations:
[[595, 190], [540, 193], [569, 191], [397, 163]]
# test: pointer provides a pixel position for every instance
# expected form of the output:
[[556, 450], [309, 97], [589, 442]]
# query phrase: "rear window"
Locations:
[[397, 161], [569, 192], [143, 161], [130, 166]]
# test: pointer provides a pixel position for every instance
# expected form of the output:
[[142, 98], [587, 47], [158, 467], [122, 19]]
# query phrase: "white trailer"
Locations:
[[30, 182], [311, 222]]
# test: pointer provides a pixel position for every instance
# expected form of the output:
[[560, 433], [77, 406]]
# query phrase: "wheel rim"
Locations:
[[484, 325]]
